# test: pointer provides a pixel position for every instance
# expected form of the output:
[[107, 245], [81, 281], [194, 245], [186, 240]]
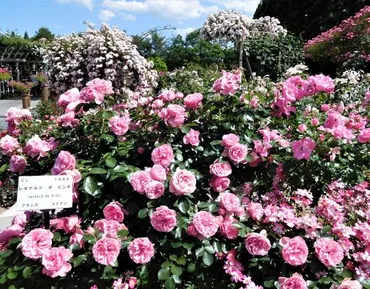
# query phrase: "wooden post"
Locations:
[[44, 92], [26, 100]]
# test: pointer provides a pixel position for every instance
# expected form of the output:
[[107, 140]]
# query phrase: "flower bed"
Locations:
[[248, 185]]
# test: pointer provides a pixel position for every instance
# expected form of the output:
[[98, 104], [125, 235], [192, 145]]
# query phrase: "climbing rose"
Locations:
[[9, 233], [65, 161], [230, 202], [295, 251], [205, 224], [154, 190], [55, 262], [8, 145], [163, 155], [174, 115], [193, 101], [350, 284], [228, 230], [106, 251], [17, 164], [219, 184], [255, 211], [303, 148], [163, 219], [113, 211], [101, 86], [237, 153], [36, 243], [229, 140], [139, 180], [183, 182], [192, 138], [158, 173], [329, 252], [90, 94], [36, 147], [141, 250], [294, 282], [220, 169], [119, 125], [70, 96], [257, 244]]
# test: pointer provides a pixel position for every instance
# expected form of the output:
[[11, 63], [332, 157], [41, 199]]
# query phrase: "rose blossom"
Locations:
[[113, 211], [90, 94], [154, 190], [294, 282], [8, 145], [106, 251], [36, 242], [36, 147], [219, 184], [220, 169], [174, 115], [55, 262], [303, 148], [101, 86], [295, 251], [228, 230], [163, 219], [192, 138], [163, 155], [14, 230], [350, 284], [67, 119], [230, 202], [229, 140], [77, 238], [193, 101], [119, 125], [64, 161], [21, 219], [158, 173], [237, 153], [109, 228], [72, 95], [329, 252], [257, 244], [183, 182], [255, 211], [139, 180], [141, 250], [17, 164], [205, 224]]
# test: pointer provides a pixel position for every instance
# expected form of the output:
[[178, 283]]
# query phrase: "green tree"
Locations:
[[26, 35], [44, 33]]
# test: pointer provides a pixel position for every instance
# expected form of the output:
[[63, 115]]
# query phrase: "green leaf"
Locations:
[[166, 264], [208, 259], [184, 207], [143, 213], [98, 171], [5, 253], [176, 244], [12, 287], [170, 284], [57, 237], [176, 279], [191, 267], [78, 260], [347, 273], [181, 260], [173, 257], [188, 245], [176, 270], [3, 168], [14, 241], [164, 273], [209, 249], [199, 252], [122, 233], [111, 162], [12, 275], [26, 272], [90, 185], [269, 283]]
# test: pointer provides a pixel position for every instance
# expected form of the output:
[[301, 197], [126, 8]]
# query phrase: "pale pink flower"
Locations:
[[220, 169], [36, 243], [141, 250], [119, 125], [67, 120], [237, 153], [103, 87], [55, 262], [295, 251], [302, 127], [229, 140], [17, 164], [219, 184], [154, 189], [228, 230], [303, 148], [205, 224], [163, 219], [193, 101], [329, 252], [228, 83], [230, 202], [20, 219], [294, 282], [113, 211], [192, 138], [109, 228], [158, 173], [37, 147], [10, 232], [64, 161], [77, 238], [106, 250], [255, 211], [350, 284], [72, 95], [8, 145], [364, 136], [257, 244], [163, 155], [183, 182], [139, 180], [90, 94], [174, 115], [15, 115]]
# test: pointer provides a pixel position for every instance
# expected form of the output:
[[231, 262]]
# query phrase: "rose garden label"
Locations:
[[44, 192]]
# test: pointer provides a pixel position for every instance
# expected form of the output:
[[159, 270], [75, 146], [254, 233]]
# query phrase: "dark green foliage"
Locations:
[[43, 33]]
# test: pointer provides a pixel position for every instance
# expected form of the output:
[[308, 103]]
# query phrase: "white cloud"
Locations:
[[174, 9], [106, 15], [184, 31], [246, 6], [129, 17], [87, 3]]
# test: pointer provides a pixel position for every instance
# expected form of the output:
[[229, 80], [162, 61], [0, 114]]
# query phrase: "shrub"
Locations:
[[159, 64], [261, 186]]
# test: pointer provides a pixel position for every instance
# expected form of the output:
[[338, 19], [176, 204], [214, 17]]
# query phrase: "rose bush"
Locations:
[[271, 191]]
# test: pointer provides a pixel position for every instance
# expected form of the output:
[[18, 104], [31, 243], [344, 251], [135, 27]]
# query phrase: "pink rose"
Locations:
[[163, 219], [109, 228], [15, 115], [139, 180], [141, 250], [9, 233], [228, 83], [157, 104], [329, 252], [36, 243], [119, 125], [68, 224], [67, 119], [20, 219], [158, 173], [192, 138], [193, 101], [113, 211], [295, 251], [350, 284], [55, 262], [257, 244], [17, 164], [75, 174], [106, 251], [228, 230], [220, 184], [302, 127], [174, 115], [255, 211], [182, 183], [303, 148], [205, 224], [163, 155], [154, 190], [37, 147], [315, 121], [89, 94], [220, 169], [77, 238], [294, 282], [64, 161], [8, 145], [228, 140], [72, 95], [103, 87], [230, 202], [237, 153], [364, 136]]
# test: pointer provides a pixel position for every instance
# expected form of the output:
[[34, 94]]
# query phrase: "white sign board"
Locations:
[[44, 192]]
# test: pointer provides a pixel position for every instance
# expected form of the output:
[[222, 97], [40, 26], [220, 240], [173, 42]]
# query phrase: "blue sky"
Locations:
[[66, 16]]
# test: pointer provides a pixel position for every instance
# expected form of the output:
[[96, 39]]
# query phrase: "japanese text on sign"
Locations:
[[44, 192]]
